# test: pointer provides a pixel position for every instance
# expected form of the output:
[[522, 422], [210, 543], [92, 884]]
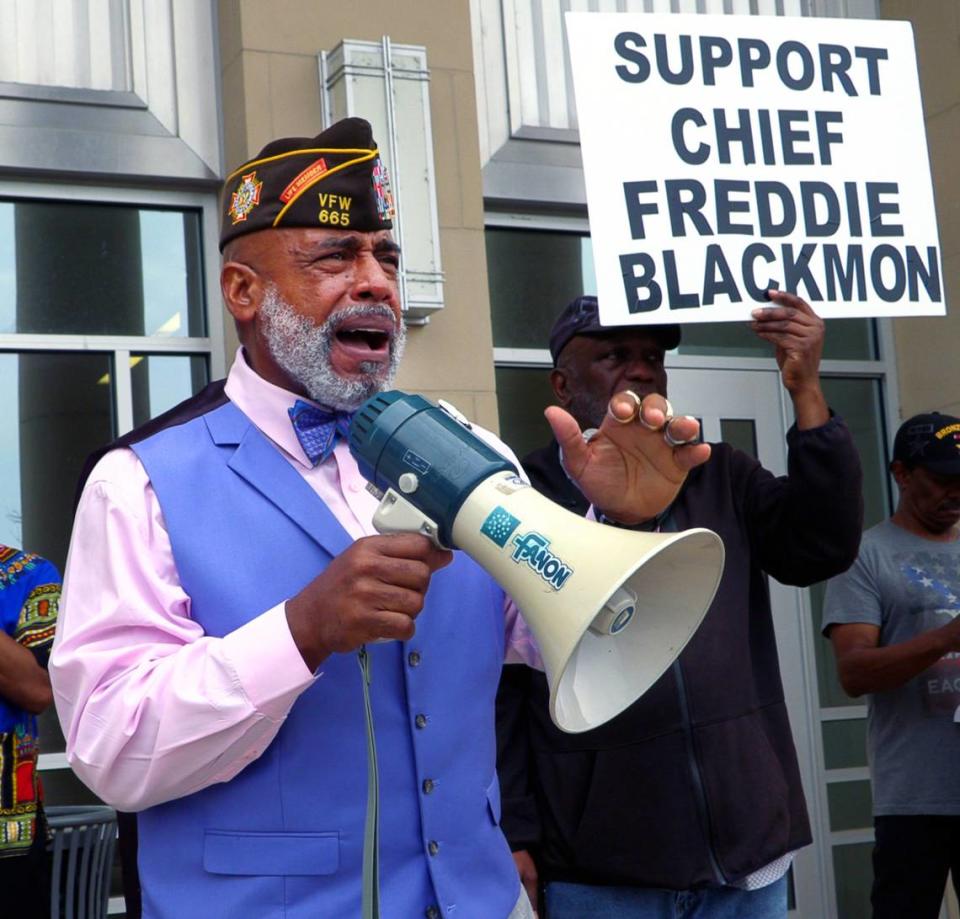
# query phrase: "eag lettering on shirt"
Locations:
[[935, 687]]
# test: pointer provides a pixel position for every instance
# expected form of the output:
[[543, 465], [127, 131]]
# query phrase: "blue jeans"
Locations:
[[583, 901]]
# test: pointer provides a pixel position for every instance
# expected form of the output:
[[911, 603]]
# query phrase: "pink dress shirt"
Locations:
[[151, 707]]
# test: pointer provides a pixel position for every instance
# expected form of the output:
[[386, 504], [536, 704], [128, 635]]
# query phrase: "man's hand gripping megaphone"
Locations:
[[633, 466], [630, 470]]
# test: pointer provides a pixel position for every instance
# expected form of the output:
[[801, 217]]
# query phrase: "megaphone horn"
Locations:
[[611, 609]]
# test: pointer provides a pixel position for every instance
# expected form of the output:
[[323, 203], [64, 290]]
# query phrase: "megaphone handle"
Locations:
[[395, 514]]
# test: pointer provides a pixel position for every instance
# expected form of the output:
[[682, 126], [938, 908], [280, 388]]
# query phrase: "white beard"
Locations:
[[302, 349]]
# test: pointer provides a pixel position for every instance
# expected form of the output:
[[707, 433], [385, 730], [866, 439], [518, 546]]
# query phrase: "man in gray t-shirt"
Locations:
[[892, 620]]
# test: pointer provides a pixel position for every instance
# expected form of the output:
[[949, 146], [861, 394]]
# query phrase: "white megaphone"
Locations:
[[611, 609]]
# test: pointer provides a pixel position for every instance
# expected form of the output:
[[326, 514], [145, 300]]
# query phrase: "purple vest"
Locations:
[[284, 838]]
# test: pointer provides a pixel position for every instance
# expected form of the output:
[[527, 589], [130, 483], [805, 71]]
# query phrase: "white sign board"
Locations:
[[725, 155]]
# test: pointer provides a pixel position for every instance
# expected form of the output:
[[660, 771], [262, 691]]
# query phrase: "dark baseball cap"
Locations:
[[932, 441], [581, 317]]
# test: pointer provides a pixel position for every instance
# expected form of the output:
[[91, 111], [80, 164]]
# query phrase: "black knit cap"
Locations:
[[335, 180], [581, 316], [930, 440]]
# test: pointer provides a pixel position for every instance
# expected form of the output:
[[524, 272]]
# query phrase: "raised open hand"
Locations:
[[633, 466]]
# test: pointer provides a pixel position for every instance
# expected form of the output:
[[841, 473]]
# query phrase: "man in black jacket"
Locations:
[[690, 802]]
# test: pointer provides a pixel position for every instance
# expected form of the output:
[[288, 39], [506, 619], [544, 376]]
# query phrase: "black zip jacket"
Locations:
[[697, 782]]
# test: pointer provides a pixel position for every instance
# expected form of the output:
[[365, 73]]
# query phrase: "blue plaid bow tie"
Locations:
[[317, 429]]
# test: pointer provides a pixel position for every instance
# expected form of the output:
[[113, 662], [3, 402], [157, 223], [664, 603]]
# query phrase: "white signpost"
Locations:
[[725, 155]]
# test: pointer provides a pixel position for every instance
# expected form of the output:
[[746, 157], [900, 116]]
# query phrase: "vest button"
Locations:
[[428, 786], [420, 721], [433, 847], [413, 658], [431, 912]]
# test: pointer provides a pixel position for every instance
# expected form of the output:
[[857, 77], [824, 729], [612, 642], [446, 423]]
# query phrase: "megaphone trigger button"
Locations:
[[408, 483]]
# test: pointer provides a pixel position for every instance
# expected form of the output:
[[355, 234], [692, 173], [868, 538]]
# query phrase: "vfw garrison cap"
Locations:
[[335, 180]]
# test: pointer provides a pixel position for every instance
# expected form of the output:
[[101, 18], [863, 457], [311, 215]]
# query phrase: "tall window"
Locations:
[[103, 324]]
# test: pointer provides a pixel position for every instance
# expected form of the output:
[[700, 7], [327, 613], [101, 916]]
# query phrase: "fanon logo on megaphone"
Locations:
[[531, 547]]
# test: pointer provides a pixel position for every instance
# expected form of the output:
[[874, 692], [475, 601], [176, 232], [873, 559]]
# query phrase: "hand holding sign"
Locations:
[[797, 332]]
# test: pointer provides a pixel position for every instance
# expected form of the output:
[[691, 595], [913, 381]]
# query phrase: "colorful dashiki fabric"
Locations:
[[29, 598]]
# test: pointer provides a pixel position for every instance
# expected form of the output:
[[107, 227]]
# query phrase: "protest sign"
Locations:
[[725, 155]]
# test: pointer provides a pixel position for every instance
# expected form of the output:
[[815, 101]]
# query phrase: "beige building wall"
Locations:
[[927, 349], [271, 89]]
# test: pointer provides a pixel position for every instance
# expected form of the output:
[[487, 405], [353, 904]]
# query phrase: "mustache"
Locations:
[[363, 311]]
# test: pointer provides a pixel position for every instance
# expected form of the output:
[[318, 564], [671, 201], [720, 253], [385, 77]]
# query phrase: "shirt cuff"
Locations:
[[267, 663], [833, 424]]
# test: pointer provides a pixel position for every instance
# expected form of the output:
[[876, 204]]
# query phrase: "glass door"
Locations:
[[744, 408]]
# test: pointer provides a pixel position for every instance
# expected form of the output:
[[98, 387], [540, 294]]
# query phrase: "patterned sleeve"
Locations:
[[38, 615]]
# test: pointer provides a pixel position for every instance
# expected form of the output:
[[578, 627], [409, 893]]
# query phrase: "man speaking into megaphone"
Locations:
[[224, 572]]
